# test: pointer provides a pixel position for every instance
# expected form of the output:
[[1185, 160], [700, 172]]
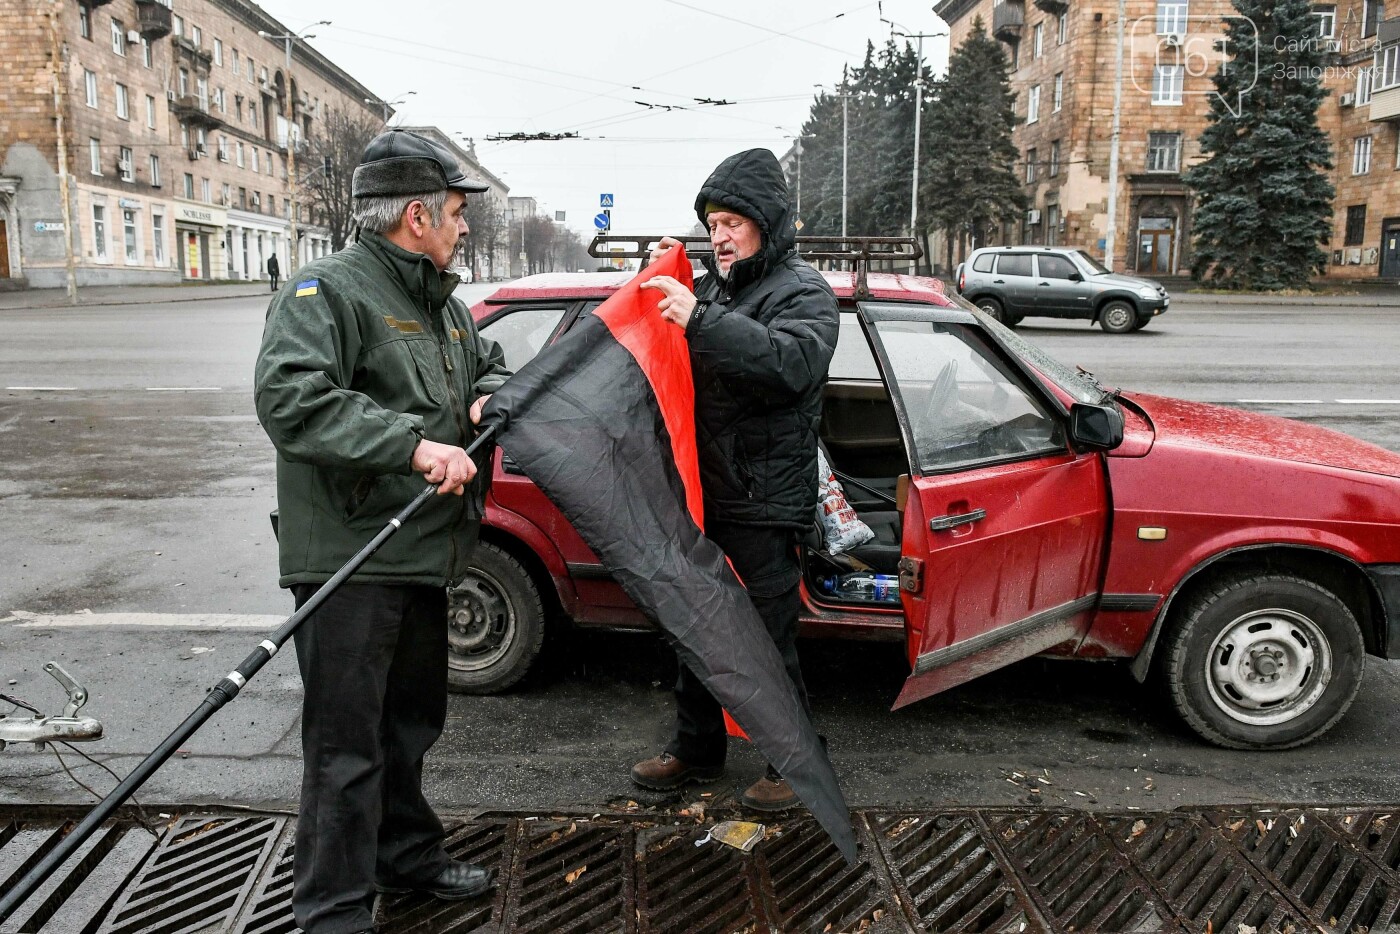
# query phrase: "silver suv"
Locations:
[[1014, 282]]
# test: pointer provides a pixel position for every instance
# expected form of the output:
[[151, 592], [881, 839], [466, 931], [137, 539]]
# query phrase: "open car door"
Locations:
[[1005, 523]]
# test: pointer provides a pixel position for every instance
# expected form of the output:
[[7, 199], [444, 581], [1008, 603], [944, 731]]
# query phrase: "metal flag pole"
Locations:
[[226, 690]]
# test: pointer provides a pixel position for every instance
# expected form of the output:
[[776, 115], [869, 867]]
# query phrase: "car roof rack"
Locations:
[[858, 251]]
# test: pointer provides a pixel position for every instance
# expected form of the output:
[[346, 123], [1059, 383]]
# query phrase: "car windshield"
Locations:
[[1095, 267], [1079, 384]]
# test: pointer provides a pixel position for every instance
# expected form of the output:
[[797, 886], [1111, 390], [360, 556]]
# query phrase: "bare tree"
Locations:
[[539, 243], [486, 223], [332, 155]]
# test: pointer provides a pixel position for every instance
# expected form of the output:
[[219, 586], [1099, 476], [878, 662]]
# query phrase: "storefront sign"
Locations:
[[200, 214], [129, 203], [48, 226]]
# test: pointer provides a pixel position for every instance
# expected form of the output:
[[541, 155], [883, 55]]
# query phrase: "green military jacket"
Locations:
[[364, 353]]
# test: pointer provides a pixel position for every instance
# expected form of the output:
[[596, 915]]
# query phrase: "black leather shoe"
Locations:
[[456, 882]]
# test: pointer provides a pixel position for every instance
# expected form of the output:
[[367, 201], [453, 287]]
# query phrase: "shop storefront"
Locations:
[[199, 239], [253, 239]]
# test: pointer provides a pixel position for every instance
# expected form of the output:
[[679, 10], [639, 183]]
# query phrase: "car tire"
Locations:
[[495, 624], [1215, 648], [1012, 320], [992, 309], [1117, 317], [1141, 322]]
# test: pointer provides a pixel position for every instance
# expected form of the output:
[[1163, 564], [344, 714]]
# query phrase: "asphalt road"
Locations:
[[135, 486]]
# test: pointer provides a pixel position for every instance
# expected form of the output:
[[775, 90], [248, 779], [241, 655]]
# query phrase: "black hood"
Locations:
[[752, 183]]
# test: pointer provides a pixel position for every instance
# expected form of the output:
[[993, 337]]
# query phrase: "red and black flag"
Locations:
[[603, 421]]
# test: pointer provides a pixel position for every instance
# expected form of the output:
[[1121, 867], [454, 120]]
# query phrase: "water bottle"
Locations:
[[862, 586]]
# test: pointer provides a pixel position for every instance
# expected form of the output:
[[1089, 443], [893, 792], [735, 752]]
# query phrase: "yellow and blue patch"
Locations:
[[309, 287]]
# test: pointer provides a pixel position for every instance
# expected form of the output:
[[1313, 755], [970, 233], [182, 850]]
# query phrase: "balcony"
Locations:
[[94, 3], [190, 109], [1385, 105], [154, 19], [1385, 96], [191, 54], [1053, 7], [1008, 20]]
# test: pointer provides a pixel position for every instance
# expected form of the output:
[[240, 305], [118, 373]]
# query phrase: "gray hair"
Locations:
[[382, 213]]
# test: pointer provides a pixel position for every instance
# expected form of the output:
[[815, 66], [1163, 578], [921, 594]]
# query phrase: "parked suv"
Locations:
[[1014, 282]]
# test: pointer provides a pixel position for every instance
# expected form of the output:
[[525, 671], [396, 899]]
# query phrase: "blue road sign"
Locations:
[[605, 201], [601, 221]]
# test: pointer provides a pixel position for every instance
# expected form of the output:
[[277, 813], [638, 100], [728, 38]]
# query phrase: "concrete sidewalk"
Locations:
[[1336, 293], [1234, 869], [98, 295]]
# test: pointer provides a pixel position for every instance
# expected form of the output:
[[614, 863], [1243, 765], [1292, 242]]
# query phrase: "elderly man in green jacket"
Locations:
[[371, 373]]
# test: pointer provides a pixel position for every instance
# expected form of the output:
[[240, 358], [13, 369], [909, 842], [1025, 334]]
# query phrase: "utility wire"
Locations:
[[776, 33]]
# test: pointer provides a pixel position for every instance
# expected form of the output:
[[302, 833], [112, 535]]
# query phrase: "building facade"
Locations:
[[1062, 63], [175, 126], [498, 193]]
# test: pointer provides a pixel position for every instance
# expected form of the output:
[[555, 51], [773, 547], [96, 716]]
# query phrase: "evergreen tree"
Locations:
[[1263, 201], [968, 180]]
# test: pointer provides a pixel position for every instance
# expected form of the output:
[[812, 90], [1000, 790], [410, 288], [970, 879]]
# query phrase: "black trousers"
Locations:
[[273, 277], [373, 661], [766, 561]]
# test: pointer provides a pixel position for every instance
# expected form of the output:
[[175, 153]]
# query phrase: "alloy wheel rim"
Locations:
[[991, 310], [481, 622], [1117, 316], [1268, 667]]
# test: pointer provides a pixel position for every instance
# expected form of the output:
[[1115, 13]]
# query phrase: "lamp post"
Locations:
[[899, 30], [400, 99], [845, 125], [290, 109]]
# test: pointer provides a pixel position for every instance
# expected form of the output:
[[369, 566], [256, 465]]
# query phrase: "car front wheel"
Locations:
[[992, 309], [1263, 661], [1118, 318], [495, 624]]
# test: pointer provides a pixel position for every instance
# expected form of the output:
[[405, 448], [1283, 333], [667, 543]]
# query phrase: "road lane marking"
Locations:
[[42, 388], [26, 620], [183, 389], [1369, 401], [1281, 401]]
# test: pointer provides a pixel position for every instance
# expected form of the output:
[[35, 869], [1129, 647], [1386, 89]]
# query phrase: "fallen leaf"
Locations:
[[878, 914], [1235, 827], [572, 877], [1138, 828]]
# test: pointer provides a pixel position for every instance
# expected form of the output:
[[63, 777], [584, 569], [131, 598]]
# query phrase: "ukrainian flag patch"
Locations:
[[309, 287]]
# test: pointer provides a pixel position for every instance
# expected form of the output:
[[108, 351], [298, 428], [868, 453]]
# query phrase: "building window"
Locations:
[[252, 114], [158, 238], [1059, 91], [218, 51], [155, 171], [95, 156], [1373, 13], [1052, 224], [243, 199], [178, 24], [1164, 152], [118, 38], [235, 62], [184, 136], [223, 148], [1390, 68], [126, 166], [1033, 105], [238, 152], [225, 193], [146, 58], [1167, 84], [1171, 17], [201, 89], [84, 22], [1062, 29], [90, 85], [1326, 21], [1361, 155], [1364, 79], [196, 36], [1356, 225], [123, 102], [1031, 157], [133, 256], [189, 187], [1037, 40], [183, 83], [150, 111], [255, 159], [262, 75], [99, 232], [206, 193], [1054, 158]]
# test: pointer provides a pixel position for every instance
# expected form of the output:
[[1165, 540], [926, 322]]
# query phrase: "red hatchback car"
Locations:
[[1248, 562]]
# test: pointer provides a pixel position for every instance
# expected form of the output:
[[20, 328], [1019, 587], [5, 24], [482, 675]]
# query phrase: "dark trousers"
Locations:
[[373, 661], [273, 277], [766, 561]]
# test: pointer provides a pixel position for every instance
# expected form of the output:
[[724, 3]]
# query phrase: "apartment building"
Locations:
[[175, 124], [1062, 58], [498, 192]]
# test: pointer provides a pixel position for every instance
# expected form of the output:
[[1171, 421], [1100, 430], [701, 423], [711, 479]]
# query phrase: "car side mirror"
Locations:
[[1075, 277], [1096, 427]]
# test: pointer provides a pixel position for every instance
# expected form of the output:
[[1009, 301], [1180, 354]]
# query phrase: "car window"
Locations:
[[522, 333], [983, 263], [853, 358], [1095, 267], [964, 405], [1055, 267], [1014, 264]]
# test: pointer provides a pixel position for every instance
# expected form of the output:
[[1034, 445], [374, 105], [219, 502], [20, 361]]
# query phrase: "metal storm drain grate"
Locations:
[[199, 878], [486, 844], [705, 889], [269, 911], [84, 887]]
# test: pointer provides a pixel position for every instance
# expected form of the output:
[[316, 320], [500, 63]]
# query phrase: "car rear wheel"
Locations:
[[495, 624], [992, 309], [1012, 320], [1118, 318], [1263, 661]]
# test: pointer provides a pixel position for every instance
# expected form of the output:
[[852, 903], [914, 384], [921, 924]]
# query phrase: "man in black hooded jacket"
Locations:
[[762, 328]]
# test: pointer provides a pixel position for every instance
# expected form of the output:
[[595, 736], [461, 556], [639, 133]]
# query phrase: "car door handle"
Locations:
[[998, 282], [1045, 285], [944, 523]]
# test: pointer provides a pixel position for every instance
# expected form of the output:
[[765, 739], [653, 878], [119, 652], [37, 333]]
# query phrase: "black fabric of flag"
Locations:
[[603, 423]]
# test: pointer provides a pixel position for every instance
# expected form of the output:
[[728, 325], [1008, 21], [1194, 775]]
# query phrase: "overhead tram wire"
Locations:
[[775, 32]]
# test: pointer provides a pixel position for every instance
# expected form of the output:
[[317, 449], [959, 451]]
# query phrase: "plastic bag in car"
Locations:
[[842, 528]]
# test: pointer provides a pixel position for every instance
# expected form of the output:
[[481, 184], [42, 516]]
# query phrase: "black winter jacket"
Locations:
[[760, 345]]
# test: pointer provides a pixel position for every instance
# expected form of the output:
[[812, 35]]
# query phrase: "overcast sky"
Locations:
[[487, 69]]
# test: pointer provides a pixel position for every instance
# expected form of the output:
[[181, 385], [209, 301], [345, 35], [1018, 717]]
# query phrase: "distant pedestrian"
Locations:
[[274, 270]]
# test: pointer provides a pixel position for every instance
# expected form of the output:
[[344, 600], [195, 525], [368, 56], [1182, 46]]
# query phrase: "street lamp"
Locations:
[[899, 30], [287, 39], [401, 99], [845, 126]]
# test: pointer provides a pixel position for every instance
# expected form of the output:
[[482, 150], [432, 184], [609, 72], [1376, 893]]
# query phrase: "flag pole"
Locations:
[[226, 690]]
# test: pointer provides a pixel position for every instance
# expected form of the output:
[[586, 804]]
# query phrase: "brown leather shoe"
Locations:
[[770, 793], [665, 772]]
